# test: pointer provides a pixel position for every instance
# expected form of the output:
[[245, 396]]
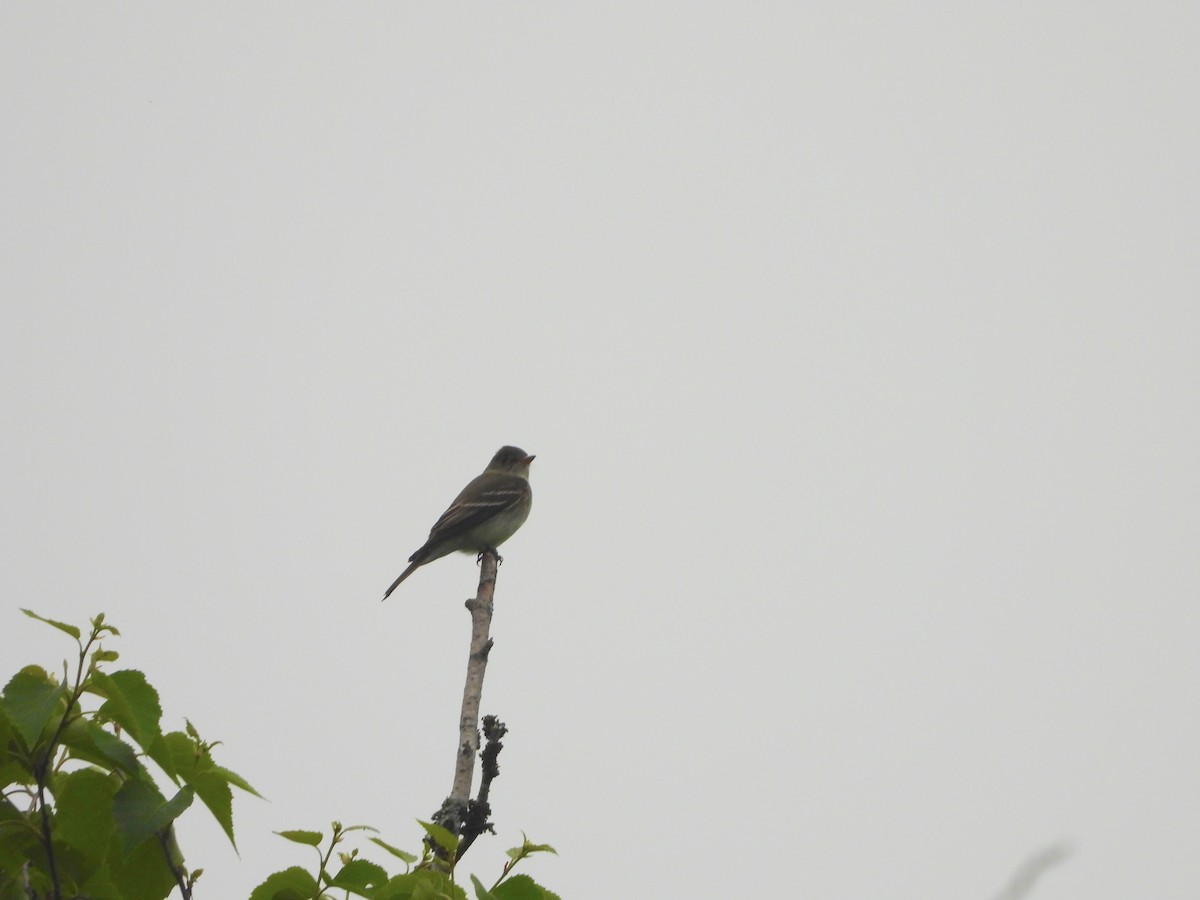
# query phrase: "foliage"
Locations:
[[429, 879], [81, 814]]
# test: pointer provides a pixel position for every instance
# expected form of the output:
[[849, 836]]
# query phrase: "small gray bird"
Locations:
[[486, 514]]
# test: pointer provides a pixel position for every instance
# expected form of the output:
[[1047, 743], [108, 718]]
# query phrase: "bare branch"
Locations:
[[454, 809]]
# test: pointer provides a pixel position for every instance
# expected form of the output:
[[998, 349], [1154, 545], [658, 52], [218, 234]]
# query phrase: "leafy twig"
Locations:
[[180, 874], [41, 765]]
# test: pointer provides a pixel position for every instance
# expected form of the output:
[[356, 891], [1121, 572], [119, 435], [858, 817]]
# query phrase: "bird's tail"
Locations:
[[395, 584]]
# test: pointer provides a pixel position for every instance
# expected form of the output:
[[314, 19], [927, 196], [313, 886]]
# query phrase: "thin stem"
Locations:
[[323, 872], [41, 768], [47, 840], [164, 841]]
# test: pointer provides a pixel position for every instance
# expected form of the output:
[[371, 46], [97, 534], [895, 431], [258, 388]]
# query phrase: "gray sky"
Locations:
[[858, 347]]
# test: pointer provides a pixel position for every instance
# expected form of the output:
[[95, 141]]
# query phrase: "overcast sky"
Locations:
[[858, 347]]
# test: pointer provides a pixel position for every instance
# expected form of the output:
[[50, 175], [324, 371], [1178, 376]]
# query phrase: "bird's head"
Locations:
[[513, 460]]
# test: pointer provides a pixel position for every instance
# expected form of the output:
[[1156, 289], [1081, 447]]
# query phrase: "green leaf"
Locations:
[[30, 699], [6, 736], [98, 626], [440, 836], [99, 886], [131, 702], [214, 791], [237, 781], [359, 875], [101, 656], [395, 851], [424, 884], [290, 884], [522, 887], [528, 848], [140, 811], [83, 818], [189, 758], [311, 838], [185, 754], [61, 626], [14, 772], [142, 874], [158, 751], [481, 893], [91, 742], [113, 748], [18, 838]]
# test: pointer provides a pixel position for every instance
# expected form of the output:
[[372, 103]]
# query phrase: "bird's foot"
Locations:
[[491, 550]]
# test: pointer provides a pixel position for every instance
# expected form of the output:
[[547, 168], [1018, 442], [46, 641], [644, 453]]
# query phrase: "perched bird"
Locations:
[[486, 514]]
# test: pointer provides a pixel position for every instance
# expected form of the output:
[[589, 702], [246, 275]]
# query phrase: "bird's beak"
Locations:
[[527, 460]]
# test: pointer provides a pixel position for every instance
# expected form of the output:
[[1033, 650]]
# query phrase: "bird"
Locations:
[[483, 516]]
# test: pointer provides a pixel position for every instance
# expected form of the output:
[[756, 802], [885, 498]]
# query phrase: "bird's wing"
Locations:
[[475, 505]]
